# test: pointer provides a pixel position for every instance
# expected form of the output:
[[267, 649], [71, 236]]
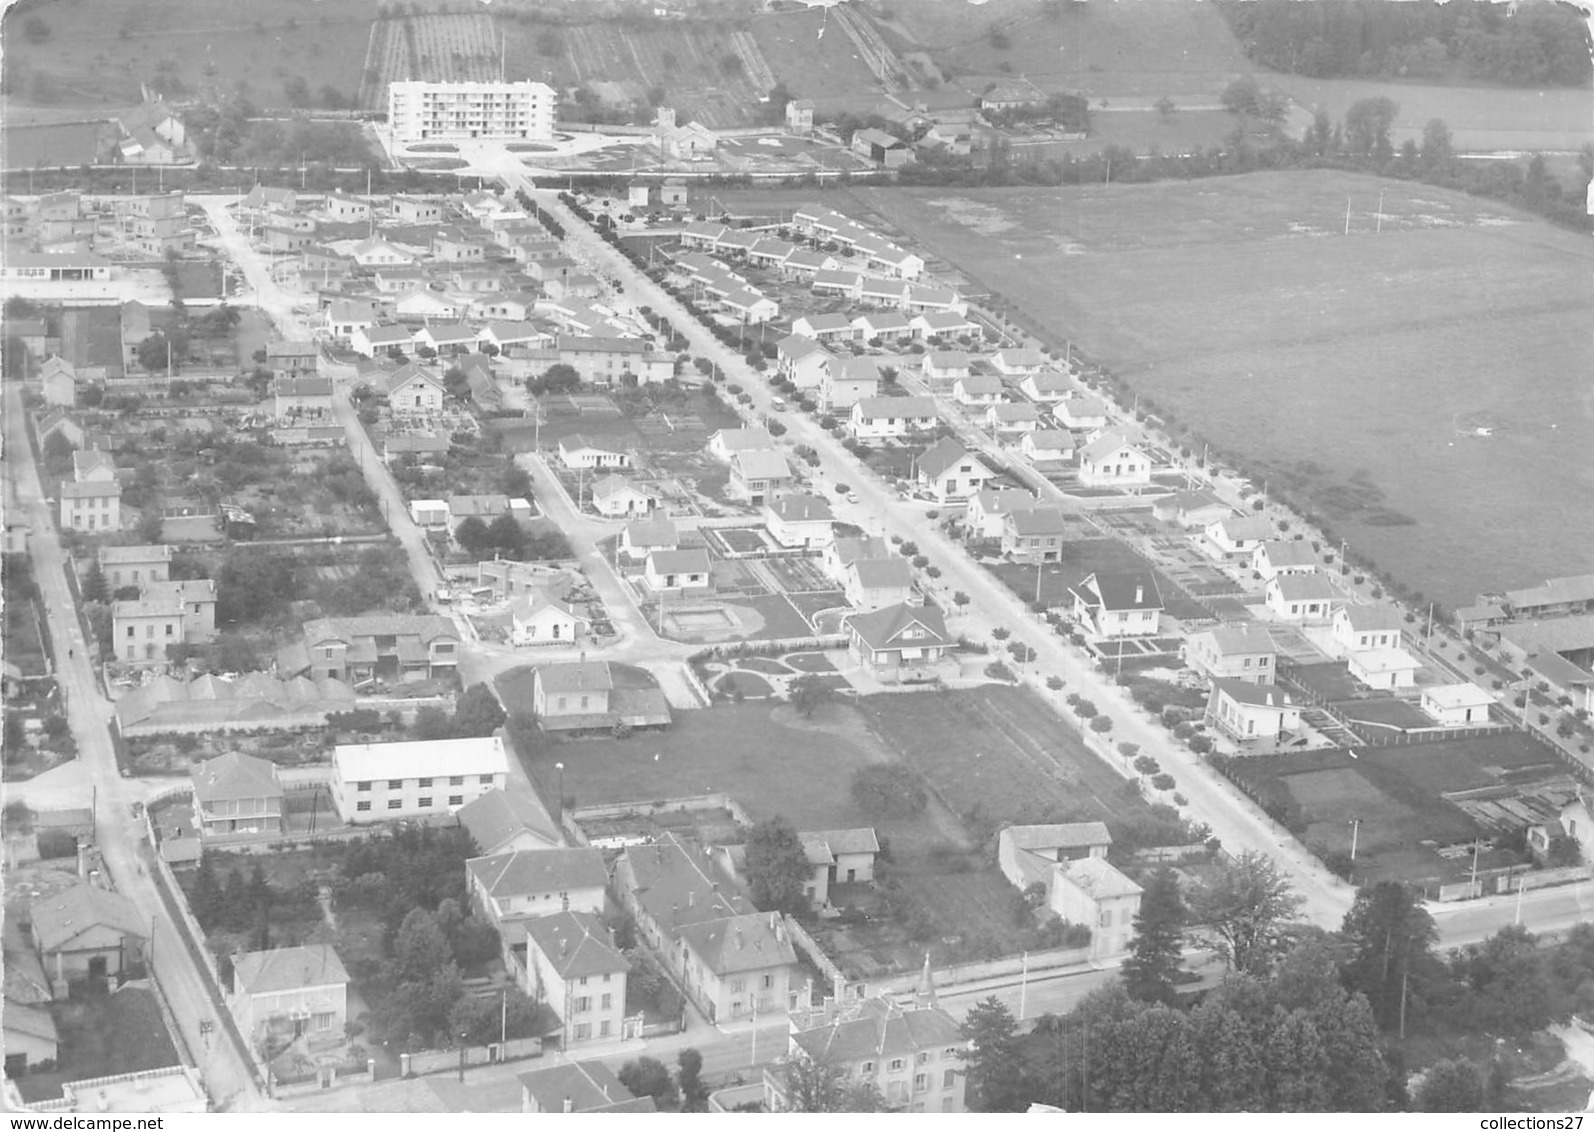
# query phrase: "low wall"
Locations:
[[816, 954], [425, 1061], [662, 806], [1013, 965]]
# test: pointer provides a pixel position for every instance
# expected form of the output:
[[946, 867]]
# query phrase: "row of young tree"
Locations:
[[1533, 44], [1305, 1020]]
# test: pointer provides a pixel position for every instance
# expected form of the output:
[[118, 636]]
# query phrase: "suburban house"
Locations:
[[1457, 705], [838, 856], [988, 510], [799, 521], [447, 338], [617, 497], [1233, 652], [871, 583], [578, 1086], [1047, 388], [1070, 862], [883, 326], [758, 473], [1253, 714], [374, 341], [1277, 557], [1018, 361], [85, 932], [571, 964], [843, 552], [1361, 627], [94, 505], [292, 358], [900, 643], [1021, 849], [374, 782], [1563, 678], [978, 389], [1034, 534], [384, 646], [678, 571], [163, 614], [1557, 597], [668, 885], [879, 418], [947, 365], [411, 389], [1085, 414], [236, 793], [846, 380], [288, 993], [911, 1053], [134, 565], [526, 883], [1047, 445], [823, 328], [1389, 669], [346, 316], [948, 471], [643, 536], [1191, 509], [1020, 416], [539, 618], [578, 695], [615, 361], [1111, 461], [739, 967], [1119, 605], [30, 1035], [801, 359], [302, 395], [1237, 537], [503, 821], [727, 442], [1301, 597], [59, 380], [577, 452]]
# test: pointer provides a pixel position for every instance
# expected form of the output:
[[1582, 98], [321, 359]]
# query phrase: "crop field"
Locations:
[[99, 51], [1143, 50], [1409, 384], [1403, 797], [461, 47], [815, 55], [69, 143]]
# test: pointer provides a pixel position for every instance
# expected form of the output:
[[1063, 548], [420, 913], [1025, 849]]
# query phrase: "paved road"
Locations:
[[224, 1066]]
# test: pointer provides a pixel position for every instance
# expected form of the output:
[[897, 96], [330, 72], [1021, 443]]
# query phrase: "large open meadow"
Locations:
[[1422, 384]]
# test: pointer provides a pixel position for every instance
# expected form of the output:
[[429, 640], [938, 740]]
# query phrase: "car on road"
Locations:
[[779, 403]]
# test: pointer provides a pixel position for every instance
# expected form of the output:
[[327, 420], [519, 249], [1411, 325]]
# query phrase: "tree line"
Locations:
[[1534, 44]]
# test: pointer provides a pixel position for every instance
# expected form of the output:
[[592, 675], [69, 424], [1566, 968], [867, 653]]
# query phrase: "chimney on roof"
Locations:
[[740, 943], [691, 898], [570, 1105], [1140, 593]]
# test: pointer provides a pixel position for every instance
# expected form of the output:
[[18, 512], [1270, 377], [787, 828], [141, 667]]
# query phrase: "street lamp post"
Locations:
[[560, 767], [462, 1037]]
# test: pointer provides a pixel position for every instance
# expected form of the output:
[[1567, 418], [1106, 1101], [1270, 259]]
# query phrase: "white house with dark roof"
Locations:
[[1018, 361], [643, 536], [1119, 605], [739, 967], [758, 474], [503, 821], [1358, 628], [802, 360], [539, 618], [1277, 556], [727, 442], [824, 328], [1047, 445], [236, 793], [989, 507], [1191, 509], [1256, 716], [978, 389], [346, 316], [678, 571], [414, 390], [1236, 537], [571, 963], [1016, 417], [949, 471], [886, 326], [374, 341], [618, 498], [803, 521], [942, 324], [1083, 414], [581, 695], [1046, 388], [578, 452], [1233, 652], [947, 365], [1034, 534], [873, 583], [880, 418], [527, 883], [899, 643], [1112, 461], [1302, 598], [289, 992]]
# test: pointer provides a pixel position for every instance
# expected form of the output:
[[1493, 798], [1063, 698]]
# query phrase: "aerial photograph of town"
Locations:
[[805, 556]]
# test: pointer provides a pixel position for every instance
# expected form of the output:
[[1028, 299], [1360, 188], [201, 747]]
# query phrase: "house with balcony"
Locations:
[[571, 964], [236, 793], [1118, 605], [1034, 534], [374, 782], [289, 993], [381, 646]]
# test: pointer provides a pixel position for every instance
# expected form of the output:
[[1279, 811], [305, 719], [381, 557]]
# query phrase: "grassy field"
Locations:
[[103, 1035], [1396, 793], [1374, 355], [1081, 559], [98, 51]]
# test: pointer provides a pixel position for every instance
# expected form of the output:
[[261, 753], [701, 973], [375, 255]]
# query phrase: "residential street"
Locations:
[[225, 1067]]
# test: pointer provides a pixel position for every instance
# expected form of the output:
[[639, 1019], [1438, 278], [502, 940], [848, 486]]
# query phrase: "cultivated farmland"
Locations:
[[462, 47], [1354, 372]]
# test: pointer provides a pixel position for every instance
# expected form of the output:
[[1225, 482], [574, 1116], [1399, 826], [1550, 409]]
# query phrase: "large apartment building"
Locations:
[[422, 111]]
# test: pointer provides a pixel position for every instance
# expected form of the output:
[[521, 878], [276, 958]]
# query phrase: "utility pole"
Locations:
[[1355, 833]]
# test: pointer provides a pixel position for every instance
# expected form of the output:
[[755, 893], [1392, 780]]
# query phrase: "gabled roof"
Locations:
[[887, 629], [821, 322], [610, 486], [999, 501], [949, 359], [1106, 444], [850, 550], [1046, 382], [579, 443], [873, 407], [576, 944], [1240, 640], [883, 573], [1288, 553], [1304, 587], [1019, 411], [1124, 591], [1245, 528], [528, 605], [1021, 356], [1081, 407], [235, 776], [849, 368], [796, 347], [653, 532], [288, 968], [61, 918], [1255, 695], [746, 439], [495, 818], [1098, 879], [979, 383], [760, 464], [1378, 618], [843, 841], [690, 561], [587, 1086], [1064, 835], [1054, 439], [575, 676], [749, 942], [526, 872], [879, 1030], [677, 885], [1031, 522], [800, 509]]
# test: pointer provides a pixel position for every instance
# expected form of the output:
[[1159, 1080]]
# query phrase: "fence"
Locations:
[[694, 682], [425, 1061], [662, 806], [959, 973]]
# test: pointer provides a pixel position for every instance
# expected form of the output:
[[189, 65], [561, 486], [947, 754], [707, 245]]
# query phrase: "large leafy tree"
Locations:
[[1391, 937], [815, 1085], [689, 1078], [777, 867], [1509, 985], [1155, 955], [1367, 126], [648, 1077], [996, 1079], [1251, 910]]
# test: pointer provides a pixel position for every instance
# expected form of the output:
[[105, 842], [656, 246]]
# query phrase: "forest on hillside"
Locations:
[[1536, 44]]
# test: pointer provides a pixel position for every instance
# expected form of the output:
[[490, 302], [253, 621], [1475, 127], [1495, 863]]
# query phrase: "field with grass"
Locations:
[[1399, 796], [102, 1035], [98, 52], [1351, 372], [1082, 558]]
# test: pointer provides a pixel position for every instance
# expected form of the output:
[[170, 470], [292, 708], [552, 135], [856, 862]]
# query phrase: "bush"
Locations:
[[1101, 725], [1145, 764], [1055, 683], [1162, 781], [1200, 744], [997, 670]]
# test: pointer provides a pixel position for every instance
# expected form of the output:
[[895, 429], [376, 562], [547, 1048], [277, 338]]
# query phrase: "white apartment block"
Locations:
[[422, 111]]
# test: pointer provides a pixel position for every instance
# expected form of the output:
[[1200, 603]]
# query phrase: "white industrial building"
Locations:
[[374, 782]]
